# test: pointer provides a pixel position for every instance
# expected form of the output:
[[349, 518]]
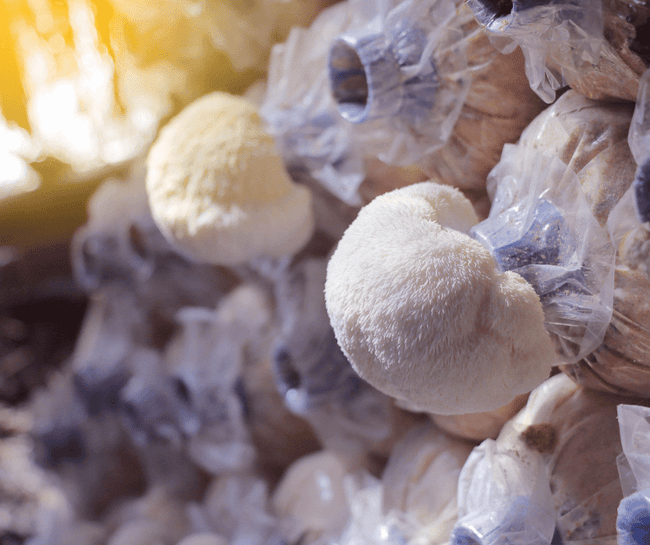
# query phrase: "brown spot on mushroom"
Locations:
[[541, 437]]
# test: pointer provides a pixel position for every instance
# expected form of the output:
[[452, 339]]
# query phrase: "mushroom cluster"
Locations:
[[386, 296]]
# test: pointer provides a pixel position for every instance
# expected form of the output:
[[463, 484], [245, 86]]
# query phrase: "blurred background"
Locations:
[[84, 87]]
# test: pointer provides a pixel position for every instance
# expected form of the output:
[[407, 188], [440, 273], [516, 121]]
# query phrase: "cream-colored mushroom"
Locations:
[[218, 189], [423, 314]]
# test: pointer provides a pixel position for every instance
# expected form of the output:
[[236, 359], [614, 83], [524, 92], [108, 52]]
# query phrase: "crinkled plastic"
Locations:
[[639, 136], [193, 398], [415, 501], [639, 141], [407, 65], [82, 452], [300, 112], [504, 497], [357, 48], [541, 227], [629, 220], [634, 424], [101, 355], [420, 483], [633, 522], [107, 247], [313, 375], [549, 477], [368, 525], [237, 507], [560, 39], [591, 137], [190, 401], [629, 232], [205, 369], [121, 250]]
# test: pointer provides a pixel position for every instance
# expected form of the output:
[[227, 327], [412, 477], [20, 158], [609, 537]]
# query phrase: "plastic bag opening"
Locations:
[[560, 39], [541, 227]]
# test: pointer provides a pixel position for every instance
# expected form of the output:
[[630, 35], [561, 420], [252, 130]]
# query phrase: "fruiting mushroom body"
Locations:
[[423, 314], [218, 189]]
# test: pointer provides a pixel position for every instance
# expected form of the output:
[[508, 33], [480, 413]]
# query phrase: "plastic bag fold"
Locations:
[[541, 227], [421, 47]]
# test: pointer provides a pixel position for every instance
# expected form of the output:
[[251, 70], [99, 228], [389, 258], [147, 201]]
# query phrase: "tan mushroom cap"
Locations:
[[218, 189], [423, 314]]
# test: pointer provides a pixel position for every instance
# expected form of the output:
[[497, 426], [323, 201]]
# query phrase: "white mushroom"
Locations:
[[218, 189], [423, 314]]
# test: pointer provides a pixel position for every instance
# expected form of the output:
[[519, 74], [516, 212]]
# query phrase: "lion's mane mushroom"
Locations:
[[422, 313], [218, 189]]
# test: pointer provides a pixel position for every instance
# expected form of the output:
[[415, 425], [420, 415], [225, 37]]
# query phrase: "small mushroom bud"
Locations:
[[422, 312], [218, 189]]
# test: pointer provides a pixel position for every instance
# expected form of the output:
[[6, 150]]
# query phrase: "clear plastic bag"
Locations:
[[204, 365], [541, 227], [629, 222], [633, 521], [551, 474], [105, 343], [559, 39], [504, 496], [237, 507], [108, 247], [310, 499], [418, 44], [314, 376], [639, 141]]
